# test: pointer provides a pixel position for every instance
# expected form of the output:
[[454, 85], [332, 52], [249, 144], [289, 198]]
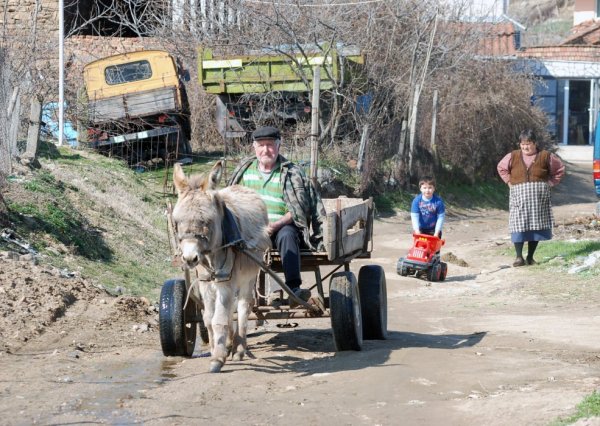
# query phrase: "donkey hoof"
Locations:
[[215, 366]]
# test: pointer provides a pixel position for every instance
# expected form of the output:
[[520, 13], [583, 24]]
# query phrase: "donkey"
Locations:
[[202, 216]]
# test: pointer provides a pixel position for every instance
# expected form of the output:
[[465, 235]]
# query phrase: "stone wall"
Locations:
[[24, 16]]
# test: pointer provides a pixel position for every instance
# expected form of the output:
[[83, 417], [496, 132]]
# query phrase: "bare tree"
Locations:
[[413, 49]]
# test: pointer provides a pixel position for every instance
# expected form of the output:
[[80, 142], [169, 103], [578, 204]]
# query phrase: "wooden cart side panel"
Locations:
[[346, 230]]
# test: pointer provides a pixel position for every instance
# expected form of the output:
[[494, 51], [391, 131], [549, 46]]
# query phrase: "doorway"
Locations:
[[579, 112]]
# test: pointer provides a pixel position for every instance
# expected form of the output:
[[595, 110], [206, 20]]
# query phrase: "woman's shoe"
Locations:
[[519, 261]]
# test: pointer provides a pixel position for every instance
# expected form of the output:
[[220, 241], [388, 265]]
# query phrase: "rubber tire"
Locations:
[[444, 271], [185, 148], [373, 302], [344, 306], [400, 268], [433, 273], [177, 333]]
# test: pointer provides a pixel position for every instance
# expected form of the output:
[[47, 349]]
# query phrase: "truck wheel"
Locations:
[[373, 301], [177, 327], [344, 304], [185, 148], [444, 271], [400, 268]]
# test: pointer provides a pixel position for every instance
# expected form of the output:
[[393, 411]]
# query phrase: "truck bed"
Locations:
[[138, 105]]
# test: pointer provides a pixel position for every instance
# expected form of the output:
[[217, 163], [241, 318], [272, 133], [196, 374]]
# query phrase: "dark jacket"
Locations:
[[300, 196]]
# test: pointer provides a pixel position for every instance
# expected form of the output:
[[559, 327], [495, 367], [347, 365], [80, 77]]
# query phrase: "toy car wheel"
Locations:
[[444, 271], [401, 268], [434, 273], [430, 276], [177, 326], [346, 318]]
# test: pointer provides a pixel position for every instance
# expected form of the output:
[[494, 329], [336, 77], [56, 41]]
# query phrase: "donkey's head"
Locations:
[[198, 214]]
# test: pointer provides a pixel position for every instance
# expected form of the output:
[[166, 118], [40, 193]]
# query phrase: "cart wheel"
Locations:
[[444, 271], [400, 268], [344, 304], [177, 329], [373, 301]]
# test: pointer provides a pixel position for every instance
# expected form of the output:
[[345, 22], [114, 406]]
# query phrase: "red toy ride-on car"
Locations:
[[424, 258]]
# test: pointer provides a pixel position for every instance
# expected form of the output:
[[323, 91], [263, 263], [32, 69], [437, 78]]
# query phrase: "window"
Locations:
[[126, 73]]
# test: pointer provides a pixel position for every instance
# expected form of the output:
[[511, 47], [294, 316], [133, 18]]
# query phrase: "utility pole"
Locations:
[[61, 71], [314, 128]]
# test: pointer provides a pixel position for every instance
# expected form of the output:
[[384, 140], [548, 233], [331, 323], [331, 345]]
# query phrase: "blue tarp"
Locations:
[[50, 124]]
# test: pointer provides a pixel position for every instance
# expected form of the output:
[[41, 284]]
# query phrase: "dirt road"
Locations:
[[491, 345]]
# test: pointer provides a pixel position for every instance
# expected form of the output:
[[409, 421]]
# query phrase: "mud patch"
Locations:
[[451, 258]]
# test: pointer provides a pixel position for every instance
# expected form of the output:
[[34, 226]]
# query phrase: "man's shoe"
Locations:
[[519, 261], [300, 293], [531, 261]]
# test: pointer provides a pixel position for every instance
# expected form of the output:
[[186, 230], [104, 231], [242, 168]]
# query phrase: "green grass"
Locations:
[[485, 195], [57, 218], [552, 27], [589, 407], [570, 252], [390, 201]]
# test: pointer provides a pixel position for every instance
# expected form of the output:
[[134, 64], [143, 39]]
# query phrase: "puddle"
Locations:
[[113, 384]]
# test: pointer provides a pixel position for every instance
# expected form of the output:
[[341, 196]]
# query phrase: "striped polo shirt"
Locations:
[[269, 189]]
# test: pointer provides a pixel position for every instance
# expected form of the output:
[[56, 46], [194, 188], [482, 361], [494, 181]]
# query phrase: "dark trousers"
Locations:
[[287, 242]]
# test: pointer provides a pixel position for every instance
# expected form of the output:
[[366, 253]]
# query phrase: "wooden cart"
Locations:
[[357, 306]]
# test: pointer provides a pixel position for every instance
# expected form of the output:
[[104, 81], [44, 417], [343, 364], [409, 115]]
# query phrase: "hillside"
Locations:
[[92, 216], [546, 21]]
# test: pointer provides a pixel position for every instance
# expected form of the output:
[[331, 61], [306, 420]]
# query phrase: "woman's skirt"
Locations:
[[530, 212], [540, 235]]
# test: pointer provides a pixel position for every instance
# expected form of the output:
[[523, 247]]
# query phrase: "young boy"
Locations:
[[427, 211]]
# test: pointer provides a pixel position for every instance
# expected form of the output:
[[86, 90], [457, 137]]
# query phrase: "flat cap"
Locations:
[[267, 132]]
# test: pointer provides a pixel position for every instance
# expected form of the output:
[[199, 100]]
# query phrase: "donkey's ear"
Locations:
[[179, 179], [215, 175]]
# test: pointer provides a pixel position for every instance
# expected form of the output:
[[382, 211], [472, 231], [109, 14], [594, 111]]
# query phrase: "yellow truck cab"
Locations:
[[137, 99]]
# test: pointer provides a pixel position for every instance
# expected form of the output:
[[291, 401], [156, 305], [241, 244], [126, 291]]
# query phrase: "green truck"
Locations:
[[274, 88]]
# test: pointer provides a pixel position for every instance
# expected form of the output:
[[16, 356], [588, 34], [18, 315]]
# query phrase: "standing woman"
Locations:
[[530, 173]]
